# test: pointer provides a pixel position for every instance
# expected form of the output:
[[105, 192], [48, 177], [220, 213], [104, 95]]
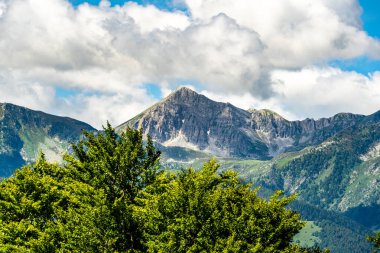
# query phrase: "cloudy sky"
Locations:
[[109, 60]]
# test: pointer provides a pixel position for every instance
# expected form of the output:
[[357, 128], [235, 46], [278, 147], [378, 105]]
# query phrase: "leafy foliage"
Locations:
[[375, 240], [208, 212], [122, 167], [109, 196], [42, 209]]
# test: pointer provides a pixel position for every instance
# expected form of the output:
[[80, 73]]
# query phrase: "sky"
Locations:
[[109, 60]]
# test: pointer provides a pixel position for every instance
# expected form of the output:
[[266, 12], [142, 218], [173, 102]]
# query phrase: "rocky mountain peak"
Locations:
[[185, 91], [186, 96]]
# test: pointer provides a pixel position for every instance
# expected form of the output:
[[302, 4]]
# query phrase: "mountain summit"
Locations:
[[191, 120]]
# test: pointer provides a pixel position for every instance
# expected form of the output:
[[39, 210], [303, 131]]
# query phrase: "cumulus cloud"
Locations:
[[250, 50], [98, 108], [322, 92], [149, 18], [25, 93], [297, 32]]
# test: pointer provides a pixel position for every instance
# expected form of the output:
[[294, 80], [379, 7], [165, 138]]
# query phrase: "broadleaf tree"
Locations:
[[207, 211], [111, 196], [122, 166], [375, 240]]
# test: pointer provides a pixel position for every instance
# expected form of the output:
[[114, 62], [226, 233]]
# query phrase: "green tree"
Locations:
[[375, 240], [122, 166], [42, 210], [204, 211], [87, 205]]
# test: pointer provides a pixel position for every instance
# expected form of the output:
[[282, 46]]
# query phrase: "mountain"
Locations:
[[333, 163], [190, 120], [24, 132]]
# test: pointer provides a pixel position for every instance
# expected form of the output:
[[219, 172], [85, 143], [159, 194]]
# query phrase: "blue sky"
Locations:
[[300, 58], [371, 24], [371, 17], [162, 4]]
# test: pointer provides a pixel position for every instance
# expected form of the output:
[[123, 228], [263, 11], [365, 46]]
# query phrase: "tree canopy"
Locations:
[[111, 195], [375, 240], [203, 211]]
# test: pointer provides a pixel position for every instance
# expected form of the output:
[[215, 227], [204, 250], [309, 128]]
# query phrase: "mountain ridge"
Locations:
[[23, 132], [191, 120]]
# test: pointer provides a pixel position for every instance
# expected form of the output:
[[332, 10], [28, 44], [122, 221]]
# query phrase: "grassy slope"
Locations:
[[36, 140], [308, 237]]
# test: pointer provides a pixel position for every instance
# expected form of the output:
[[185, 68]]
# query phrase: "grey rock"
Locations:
[[188, 119]]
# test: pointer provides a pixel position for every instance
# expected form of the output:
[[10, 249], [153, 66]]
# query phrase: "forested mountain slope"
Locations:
[[24, 132]]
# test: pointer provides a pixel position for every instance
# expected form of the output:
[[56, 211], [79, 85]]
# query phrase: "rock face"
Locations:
[[24, 132], [188, 119]]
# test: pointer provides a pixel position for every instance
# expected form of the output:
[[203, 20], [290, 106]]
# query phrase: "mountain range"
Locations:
[[333, 164], [190, 120], [314, 154]]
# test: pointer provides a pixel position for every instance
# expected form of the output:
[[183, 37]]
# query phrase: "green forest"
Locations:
[[111, 194]]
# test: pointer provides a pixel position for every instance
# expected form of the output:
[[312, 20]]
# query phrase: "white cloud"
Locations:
[[148, 18], [234, 47], [97, 109], [322, 92], [29, 94], [297, 32]]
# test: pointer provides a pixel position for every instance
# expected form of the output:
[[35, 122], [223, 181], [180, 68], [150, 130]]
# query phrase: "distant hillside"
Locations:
[[341, 174], [23, 132], [332, 230]]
